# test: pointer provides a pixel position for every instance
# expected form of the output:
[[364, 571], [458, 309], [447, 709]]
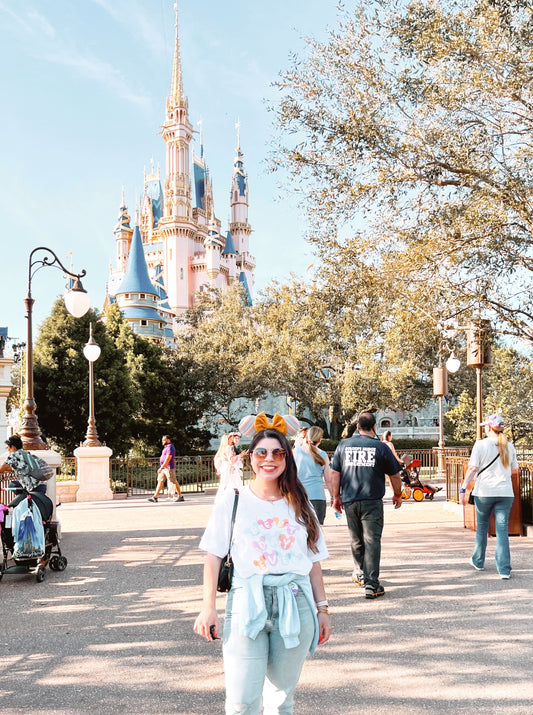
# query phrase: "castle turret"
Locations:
[[137, 297], [213, 251], [123, 233], [239, 227]]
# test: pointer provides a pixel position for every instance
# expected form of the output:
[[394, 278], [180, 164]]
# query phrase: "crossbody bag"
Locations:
[[225, 574], [471, 496]]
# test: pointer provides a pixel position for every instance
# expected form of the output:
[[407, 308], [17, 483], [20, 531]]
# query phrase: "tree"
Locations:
[[220, 337], [169, 395], [409, 134], [507, 388], [510, 391], [61, 383], [141, 389]]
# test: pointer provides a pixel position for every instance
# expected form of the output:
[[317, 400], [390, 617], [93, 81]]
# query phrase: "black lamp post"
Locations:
[[77, 303]]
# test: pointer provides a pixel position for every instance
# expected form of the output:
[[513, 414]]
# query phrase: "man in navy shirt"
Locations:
[[358, 470]]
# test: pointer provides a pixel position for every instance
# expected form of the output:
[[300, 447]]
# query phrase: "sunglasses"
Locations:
[[260, 453]]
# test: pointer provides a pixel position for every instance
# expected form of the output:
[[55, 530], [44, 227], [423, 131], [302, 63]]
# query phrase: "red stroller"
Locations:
[[412, 486]]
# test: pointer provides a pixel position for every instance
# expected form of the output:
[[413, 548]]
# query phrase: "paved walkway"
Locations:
[[113, 633]]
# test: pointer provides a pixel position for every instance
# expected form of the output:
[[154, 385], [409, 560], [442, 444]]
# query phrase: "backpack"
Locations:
[[37, 468], [28, 531]]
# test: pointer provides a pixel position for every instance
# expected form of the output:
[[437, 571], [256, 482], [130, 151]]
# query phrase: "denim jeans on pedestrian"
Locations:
[[500, 507], [263, 667], [365, 522]]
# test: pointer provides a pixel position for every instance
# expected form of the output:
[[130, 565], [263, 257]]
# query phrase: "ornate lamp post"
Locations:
[[92, 353], [77, 303]]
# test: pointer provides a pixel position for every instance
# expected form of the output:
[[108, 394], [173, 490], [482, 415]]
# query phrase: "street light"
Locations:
[[77, 303], [92, 353]]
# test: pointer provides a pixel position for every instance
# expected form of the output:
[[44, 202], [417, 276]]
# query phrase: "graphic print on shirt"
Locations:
[[272, 540], [360, 456]]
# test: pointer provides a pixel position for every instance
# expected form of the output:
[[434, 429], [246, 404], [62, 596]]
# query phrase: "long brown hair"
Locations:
[[503, 449], [291, 487], [312, 439]]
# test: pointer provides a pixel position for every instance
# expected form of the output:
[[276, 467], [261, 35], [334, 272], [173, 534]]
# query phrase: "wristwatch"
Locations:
[[462, 491]]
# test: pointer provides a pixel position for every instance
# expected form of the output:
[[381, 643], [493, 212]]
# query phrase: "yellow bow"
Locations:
[[278, 423]]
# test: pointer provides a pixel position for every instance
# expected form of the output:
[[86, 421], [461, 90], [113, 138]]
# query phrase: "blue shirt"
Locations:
[[310, 473]]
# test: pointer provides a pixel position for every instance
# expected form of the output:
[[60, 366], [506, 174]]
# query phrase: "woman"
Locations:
[[228, 464], [16, 463], [492, 464], [313, 469], [276, 610], [387, 438]]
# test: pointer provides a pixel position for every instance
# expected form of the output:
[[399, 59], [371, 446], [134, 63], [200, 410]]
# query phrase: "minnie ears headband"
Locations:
[[288, 425]]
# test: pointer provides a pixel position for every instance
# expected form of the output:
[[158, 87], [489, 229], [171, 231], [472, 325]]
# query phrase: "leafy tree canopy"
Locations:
[[409, 134]]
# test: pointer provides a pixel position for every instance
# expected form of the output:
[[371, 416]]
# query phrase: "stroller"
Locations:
[[412, 486], [20, 564]]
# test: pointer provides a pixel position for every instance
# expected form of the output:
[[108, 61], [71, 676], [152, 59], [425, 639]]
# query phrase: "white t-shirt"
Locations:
[[495, 481], [267, 539]]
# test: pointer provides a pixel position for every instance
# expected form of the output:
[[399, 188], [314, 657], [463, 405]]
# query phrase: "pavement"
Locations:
[[113, 632]]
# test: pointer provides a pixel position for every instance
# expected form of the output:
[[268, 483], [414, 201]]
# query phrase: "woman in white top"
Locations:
[[492, 464], [228, 465], [387, 438], [276, 611]]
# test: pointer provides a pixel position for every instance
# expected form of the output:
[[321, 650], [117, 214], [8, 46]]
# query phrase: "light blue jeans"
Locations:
[[501, 508], [263, 667]]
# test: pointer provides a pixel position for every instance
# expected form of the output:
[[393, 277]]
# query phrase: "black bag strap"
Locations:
[[235, 502], [487, 465]]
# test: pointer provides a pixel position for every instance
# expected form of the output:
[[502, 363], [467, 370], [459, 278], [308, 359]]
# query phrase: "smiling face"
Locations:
[[268, 468]]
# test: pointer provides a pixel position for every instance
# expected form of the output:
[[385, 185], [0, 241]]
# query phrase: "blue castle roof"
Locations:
[[154, 192], [229, 248], [136, 278], [199, 182], [244, 282], [136, 312]]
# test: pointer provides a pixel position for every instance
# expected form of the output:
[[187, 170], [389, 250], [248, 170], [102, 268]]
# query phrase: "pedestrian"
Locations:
[[358, 471], [228, 464], [167, 472], [276, 609], [492, 465], [386, 438], [313, 469], [16, 463], [300, 437]]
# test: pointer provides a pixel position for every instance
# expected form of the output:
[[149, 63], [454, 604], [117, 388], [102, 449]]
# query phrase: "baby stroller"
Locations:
[[14, 562], [412, 486]]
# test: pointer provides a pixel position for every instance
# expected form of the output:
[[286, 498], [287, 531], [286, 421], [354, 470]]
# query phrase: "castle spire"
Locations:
[[176, 97]]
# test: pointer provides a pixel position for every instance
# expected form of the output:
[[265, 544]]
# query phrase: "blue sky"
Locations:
[[84, 86]]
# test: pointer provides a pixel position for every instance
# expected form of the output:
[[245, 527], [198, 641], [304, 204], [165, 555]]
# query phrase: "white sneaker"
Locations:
[[478, 568], [505, 576]]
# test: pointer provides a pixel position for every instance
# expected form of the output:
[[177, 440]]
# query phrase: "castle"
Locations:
[[177, 247]]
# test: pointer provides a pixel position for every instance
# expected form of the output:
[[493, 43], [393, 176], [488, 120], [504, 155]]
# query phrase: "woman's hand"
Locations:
[[324, 627], [206, 618]]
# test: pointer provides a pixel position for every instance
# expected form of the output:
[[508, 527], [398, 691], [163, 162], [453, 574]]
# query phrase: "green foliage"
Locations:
[[141, 390], [510, 392], [61, 383], [411, 125], [220, 342]]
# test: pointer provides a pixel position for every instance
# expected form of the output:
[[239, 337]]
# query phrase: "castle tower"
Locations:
[[213, 251], [123, 233], [176, 225], [239, 226]]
